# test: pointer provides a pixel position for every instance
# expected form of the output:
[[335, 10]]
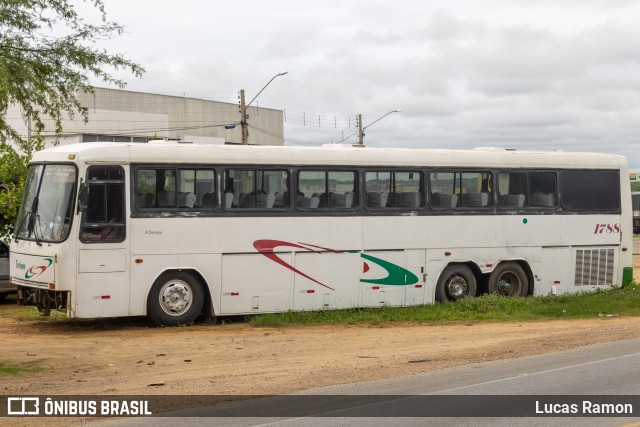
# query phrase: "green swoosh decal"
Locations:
[[398, 276]]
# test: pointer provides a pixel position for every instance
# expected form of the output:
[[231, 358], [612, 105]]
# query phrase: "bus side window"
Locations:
[[327, 190], [393, 189], [512, 190], [104, 219], [256, 189], [461, 189]]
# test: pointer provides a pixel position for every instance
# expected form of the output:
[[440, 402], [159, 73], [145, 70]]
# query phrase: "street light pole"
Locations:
[[362, 129], [243, 109]]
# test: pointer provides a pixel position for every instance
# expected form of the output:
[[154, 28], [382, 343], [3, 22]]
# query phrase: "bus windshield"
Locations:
[[47, 203]]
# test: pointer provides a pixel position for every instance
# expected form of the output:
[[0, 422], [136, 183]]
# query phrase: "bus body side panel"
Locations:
[[416, 293], [252, 283], [552, 275], [103, 282], [382, 282], [329, 280]]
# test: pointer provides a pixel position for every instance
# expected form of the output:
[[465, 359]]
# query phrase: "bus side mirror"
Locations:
[[83, 197]]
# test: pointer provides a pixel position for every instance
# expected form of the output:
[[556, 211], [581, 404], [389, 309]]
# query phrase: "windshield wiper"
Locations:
[[37, 225]]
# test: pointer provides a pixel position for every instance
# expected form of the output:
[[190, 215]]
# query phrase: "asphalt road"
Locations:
[[491, 391]]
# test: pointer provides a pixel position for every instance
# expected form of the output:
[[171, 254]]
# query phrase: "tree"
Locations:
[[48, 55], [13, 173]]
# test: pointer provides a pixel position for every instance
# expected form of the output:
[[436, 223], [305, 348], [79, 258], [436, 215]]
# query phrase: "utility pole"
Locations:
[[362, 129], [243, 109], [243, 119]]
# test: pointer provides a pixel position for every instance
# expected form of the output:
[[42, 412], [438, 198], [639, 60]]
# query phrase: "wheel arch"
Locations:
[[471, 264]]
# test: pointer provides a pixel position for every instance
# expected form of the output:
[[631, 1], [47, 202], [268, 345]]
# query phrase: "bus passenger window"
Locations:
[[326, 189], [461, 190], [542, 189], [591, 190], [394, 189], [526, 190], [256, 189], [512, 189], [175, 188]]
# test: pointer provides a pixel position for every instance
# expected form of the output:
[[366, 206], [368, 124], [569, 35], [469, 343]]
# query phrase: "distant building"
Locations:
[[126, 116]]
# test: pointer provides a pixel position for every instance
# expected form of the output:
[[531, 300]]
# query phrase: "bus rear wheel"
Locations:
[[509, 279], [456, 281], [176, 298]]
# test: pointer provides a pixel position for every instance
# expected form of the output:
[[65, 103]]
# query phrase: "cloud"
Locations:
[[538, 75]]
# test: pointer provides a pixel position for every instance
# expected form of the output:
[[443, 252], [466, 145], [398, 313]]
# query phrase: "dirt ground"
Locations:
[[240, 359], [132, 357], [117, 357]]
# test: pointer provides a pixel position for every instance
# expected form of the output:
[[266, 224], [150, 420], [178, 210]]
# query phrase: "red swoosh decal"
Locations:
[[365, 266], [265, 247], [320, 247]]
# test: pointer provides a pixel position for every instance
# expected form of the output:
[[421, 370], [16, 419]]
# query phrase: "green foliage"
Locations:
[[48, 54], [13, 172], [602, 304]]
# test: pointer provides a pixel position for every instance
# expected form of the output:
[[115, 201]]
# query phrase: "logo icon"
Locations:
[[37, 270], [23, 406]]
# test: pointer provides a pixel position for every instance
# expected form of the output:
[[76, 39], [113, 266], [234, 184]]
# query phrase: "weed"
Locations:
[[620, 302]]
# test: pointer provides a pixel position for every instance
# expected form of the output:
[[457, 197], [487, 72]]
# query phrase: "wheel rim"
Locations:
[[509, 284], [175, 297], [457, 287]]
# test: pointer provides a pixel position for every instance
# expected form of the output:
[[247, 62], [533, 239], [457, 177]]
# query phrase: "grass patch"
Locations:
[[617, 302], [26, 313], [8, 369]]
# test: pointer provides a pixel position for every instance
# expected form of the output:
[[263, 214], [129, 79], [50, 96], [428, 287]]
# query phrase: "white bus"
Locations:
[[174, 230]]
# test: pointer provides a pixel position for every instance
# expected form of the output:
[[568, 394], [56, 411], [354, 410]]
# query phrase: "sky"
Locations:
[[544, 74]]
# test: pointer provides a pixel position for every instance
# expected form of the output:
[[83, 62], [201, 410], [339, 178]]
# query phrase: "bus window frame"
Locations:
[[556, 208], [386, 210], [120, 225], [158, 211], [356, 205], [561, 204], [236, 210], [492, 202]]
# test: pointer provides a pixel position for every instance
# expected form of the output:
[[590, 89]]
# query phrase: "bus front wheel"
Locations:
[[509, 279], [176, 298], [456, 281]]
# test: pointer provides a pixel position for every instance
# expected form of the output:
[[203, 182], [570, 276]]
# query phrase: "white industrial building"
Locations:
[[126, 116]]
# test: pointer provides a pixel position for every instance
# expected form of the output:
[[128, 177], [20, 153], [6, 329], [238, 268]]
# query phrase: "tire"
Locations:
[[456, 281], [509, 279], [176, 298]]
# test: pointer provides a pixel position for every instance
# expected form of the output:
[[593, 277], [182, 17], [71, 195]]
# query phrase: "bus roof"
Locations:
[[188, 153]]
